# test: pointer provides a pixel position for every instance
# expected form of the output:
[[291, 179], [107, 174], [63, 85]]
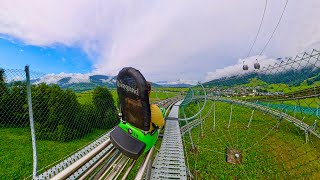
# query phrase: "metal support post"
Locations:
[[307, 135], [250, 119], [214, 116], [200, 119], [230, 116], [33, 133], [302, 120], [277, 126], [189, 130], [314, 124]]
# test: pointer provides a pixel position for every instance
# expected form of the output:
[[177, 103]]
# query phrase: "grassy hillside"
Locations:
[[268, 152], [303, 77]]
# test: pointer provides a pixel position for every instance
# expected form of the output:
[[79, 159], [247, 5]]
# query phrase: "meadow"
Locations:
[[16, 151], [268, 151]]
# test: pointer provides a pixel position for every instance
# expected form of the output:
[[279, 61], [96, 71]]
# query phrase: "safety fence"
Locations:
[[44, 118], [261, 124]]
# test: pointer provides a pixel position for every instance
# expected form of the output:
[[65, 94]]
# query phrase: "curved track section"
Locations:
[[281, 115], [299, 123]]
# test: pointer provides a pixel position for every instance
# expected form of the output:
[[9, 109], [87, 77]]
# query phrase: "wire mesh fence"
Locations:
[[261, 124], [69, 112]]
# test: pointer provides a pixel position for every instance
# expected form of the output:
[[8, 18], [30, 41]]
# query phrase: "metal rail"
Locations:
[[75, 166], [193, 97], [169, 162], [167, 104], [81, 164], [194, 123]]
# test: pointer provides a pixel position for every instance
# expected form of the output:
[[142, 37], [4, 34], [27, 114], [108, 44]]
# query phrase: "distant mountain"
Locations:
[[178, 83], [80, 82]]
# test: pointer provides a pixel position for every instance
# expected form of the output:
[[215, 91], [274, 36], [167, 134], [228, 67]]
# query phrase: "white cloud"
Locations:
[[267, 65], [163, 37], [54, 78], [179, 81], [238, 68]]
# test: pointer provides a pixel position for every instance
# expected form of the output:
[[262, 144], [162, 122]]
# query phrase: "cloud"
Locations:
[[54, 78], [267, 65], [164, 39], [237, 69]]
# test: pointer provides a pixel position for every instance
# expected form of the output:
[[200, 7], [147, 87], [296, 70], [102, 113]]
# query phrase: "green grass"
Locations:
[[16, 151], [154, 96], [267, 153], [308, 102], [86, 97]]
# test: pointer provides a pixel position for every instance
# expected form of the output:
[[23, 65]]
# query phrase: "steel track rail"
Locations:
[[81, 164]]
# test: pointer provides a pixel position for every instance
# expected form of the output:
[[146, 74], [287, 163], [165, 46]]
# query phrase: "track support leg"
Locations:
[[250, 119], [230, 116]]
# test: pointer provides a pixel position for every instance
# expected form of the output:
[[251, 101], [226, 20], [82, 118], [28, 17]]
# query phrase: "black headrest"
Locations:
[[134, 99]]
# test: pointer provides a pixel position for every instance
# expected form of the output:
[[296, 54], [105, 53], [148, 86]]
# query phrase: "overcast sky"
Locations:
[[164, 39]]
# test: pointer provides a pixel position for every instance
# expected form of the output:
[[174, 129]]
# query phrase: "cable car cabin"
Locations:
[[256, 65], [132, 136], [245, 67]]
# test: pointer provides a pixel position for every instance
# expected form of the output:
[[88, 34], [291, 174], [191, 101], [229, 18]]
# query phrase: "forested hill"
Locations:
[[291, 77]]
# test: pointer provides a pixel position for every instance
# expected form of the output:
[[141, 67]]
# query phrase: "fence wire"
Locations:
[[68, 113], [258, 125]]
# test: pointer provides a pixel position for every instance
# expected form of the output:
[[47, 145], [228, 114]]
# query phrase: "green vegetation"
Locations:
[[59, 116], [13, 105], [160, 95], [86, 96], [16, 151], [62, 124], [294, 77], [268, 152], [255, 82]]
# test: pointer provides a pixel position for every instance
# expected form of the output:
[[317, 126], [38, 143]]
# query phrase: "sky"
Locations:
[[165, 40]]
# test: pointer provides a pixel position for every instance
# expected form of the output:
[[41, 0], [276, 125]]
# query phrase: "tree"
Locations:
[[106, 110], [13, 104], [3, 88], [56, 113]]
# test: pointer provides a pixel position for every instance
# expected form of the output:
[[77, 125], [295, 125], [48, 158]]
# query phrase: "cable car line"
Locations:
[[285, 6], [255, 39]]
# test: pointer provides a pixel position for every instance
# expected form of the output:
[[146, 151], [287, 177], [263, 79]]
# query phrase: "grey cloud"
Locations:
[[164, 38]]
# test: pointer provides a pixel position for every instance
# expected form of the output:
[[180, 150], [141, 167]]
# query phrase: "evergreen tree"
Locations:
[[106, 110]]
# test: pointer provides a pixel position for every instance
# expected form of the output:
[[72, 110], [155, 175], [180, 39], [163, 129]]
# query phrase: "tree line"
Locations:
[[57, 113]]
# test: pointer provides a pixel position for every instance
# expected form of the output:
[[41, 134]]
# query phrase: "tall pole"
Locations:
[[33, 133], [214, 116], [190, 136], [230, 116], [200, 120]]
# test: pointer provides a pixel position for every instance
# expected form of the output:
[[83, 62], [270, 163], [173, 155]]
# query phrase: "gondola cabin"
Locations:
[[132, 136], [256, 65], [245, 67]]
